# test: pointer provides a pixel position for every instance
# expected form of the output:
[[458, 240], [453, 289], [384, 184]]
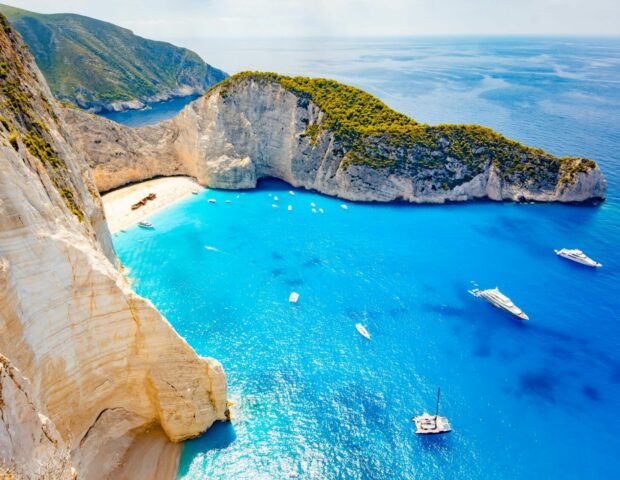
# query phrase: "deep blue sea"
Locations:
[[534, 400]]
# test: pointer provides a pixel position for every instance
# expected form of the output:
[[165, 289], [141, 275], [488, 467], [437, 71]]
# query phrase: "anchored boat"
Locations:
[[427, 424], [499, 300], [146, 225], [362, 331], [577, 256]]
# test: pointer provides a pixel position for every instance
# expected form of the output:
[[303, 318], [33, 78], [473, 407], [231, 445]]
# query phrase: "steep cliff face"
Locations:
[[29, 442], [100, 66], [101, 360], [338, 140]]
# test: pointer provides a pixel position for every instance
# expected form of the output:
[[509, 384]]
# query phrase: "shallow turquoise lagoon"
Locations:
[[526, 400]]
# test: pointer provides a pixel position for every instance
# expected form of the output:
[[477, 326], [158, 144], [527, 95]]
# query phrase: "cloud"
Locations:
[[168, 19]]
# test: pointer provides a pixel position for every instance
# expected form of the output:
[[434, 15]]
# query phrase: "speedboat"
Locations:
[[427, 424], [293, 297], [577, 256], [290, 208], [212, 200], [344, 206], [291, 192], [274, 205], [499, 300], [146, 225], [363, 332]]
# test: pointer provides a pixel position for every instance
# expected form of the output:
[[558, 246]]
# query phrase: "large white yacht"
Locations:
[[577, 256], [499, 300]]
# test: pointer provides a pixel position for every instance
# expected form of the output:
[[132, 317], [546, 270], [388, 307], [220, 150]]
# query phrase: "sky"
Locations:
[[172, 19]]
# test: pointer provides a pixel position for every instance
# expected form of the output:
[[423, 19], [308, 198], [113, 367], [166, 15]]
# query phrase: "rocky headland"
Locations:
[[333, 138]]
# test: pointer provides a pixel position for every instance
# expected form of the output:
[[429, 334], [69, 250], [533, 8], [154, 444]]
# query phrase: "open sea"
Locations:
[[312, 398]]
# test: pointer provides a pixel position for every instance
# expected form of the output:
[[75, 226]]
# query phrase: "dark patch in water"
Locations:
[[276, 256], [294, 282], [447, 310], [483, 350], [313, 262], [538, 384], [276, 272], [591, 392]]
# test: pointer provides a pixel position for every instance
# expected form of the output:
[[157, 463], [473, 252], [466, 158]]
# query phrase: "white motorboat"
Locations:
[[577, 256], [228, 201], [291, 192], [212, 200], [363, 332], [293, 297], [499, 300], [274, 205], [427, 424], [290, 208], [146, 225], [195, 192], [344, 207]]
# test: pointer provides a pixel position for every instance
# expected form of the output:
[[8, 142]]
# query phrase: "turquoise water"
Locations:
[[526, 400], [151, 115]]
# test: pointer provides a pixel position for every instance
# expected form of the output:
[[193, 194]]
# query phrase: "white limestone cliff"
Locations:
[[258, 128], [101, 361]]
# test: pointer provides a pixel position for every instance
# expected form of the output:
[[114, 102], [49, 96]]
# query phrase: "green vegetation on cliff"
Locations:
[[21, 121], [372, 134], [91, 63]]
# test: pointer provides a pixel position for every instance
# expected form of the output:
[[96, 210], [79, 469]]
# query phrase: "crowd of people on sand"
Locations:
[[141, 203]]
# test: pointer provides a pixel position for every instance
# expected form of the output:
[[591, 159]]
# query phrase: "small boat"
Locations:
[[293, 297], [146, 225], [274, 205], [290, 208], [312, 204], [427, 424], [344, 207], [212, 200], [499, 300], [291, 192], [577, 256], [321, 210], [275, 199], [314, 210], [363, 332], [195, 192], [228, 201]]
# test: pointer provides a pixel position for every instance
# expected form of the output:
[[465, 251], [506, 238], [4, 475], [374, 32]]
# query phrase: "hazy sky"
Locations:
[[169, 19]]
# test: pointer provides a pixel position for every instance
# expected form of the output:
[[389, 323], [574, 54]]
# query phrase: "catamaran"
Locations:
[[499, 300], [427, 424], [577, 256]]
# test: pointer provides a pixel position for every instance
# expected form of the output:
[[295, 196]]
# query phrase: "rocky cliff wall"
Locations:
[[252, 127], [101, 361]]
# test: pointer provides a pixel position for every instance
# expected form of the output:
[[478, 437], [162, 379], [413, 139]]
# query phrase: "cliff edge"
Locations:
[[101, 363], [333, 138]]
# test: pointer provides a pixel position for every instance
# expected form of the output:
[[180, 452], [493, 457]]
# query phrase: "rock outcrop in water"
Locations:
[[332, 138], [101, 361]]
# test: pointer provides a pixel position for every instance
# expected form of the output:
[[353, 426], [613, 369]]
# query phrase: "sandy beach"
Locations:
[[150, 456], [117, 204]]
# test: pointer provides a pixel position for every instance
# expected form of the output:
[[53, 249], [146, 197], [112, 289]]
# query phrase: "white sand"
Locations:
[[117, 204]]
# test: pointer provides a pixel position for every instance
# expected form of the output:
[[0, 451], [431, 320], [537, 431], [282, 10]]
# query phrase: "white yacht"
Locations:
[[427, 424], [362, 331], [577, 256], [499, 300]]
